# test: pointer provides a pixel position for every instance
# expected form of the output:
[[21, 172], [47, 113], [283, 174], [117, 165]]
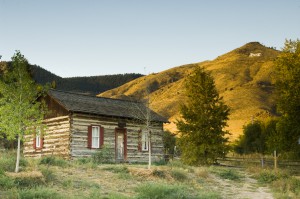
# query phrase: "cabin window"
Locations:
[[38, 140], [145, 141], [95, 137]]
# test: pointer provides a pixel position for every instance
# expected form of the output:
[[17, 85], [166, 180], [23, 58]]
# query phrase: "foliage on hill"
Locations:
[[91, 85], [242, 77]]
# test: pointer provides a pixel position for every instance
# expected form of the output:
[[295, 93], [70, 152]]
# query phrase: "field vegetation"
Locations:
[[52, 177]]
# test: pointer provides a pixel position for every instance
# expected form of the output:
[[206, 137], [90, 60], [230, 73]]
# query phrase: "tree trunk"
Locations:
[[18, 154], [150, 148]]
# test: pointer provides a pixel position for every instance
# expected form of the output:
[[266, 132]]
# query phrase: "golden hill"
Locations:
[[242, 77]]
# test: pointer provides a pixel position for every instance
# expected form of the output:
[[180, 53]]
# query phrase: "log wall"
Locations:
[[59, 141], [79, 127], [56, 139]]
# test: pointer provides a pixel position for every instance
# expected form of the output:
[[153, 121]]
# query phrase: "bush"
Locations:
[[54, 161], [104, 155], [267, 176]]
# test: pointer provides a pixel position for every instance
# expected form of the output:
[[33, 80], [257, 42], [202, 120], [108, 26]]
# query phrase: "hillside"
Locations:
[[242, 77], [90, 85]]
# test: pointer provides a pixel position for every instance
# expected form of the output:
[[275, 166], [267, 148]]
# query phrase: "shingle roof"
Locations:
[[103, 106]]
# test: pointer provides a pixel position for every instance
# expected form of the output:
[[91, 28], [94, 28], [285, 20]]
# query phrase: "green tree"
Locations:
[[169, 141], [19, 108], [287, 75], [252, 140], [204, 116]]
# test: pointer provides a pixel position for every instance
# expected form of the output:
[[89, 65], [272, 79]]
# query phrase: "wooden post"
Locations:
[[275, 160]]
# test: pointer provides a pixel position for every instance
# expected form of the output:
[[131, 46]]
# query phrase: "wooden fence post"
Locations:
[[275, 160]]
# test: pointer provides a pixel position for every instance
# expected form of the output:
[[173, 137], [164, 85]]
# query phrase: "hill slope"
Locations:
[[90, 85], [242, 77]]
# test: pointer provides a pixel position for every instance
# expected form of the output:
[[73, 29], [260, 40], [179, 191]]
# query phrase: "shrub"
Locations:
[[179, 175], [54, 161], [267, 176], [104, 155]]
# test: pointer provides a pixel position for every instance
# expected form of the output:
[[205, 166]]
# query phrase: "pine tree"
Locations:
[[202, 135], [19, 108]]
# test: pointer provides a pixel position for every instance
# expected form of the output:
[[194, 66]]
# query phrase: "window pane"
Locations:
[[38, 138], [95, 132], [95, 136], [37, 141]]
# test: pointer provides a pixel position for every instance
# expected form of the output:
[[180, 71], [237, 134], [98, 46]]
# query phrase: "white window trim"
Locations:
[[145, 141], [96, 138], [38, 138]]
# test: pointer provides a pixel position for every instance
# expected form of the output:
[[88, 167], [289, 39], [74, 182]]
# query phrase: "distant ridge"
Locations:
[[242, 77]]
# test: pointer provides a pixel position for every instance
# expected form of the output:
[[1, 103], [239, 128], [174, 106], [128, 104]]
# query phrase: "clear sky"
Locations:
[[89, 37]]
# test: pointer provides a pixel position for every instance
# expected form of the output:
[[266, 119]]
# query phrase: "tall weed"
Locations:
[[157, 190], [40, 193]]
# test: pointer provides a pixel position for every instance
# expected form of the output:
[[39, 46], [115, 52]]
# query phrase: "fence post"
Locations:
[[275, 160]]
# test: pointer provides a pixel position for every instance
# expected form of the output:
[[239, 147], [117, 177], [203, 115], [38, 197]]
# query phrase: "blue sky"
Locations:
[[89, 37]]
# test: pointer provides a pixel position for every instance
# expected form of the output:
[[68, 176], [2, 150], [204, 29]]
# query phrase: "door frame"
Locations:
[[124, 131]]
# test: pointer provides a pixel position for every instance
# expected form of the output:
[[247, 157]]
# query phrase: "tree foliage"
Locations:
[[19, 108], [204, 115], [169, 141], [287, 75], [252, 140]]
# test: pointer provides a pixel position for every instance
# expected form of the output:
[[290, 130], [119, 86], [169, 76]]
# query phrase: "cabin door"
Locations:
[[121, 144]]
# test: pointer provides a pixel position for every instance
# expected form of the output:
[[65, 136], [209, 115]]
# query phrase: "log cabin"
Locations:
[[79, 125]]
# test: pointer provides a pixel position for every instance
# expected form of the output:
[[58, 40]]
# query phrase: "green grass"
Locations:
[[156, 190], [8, 161], [227, 173], [54, 161], [39, 193], [117, 169]]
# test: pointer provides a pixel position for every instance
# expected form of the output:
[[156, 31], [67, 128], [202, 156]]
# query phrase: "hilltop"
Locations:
[[242, 77]]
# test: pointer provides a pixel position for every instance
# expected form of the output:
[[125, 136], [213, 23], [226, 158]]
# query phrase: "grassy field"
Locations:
[[57, 178]]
